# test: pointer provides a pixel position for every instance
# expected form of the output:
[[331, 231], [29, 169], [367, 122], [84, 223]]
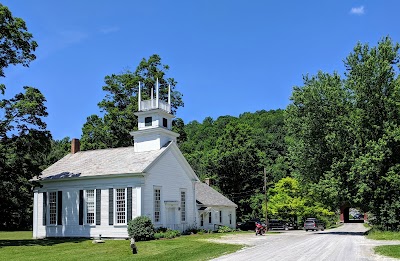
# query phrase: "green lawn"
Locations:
[[389, 250], [20, 246], [383, 235]]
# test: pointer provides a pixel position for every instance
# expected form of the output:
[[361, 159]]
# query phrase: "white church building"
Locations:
[[97, 192]]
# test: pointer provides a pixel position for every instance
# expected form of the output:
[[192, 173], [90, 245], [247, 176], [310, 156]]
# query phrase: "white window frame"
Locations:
[[49, 210], [220, 217], [115, 207], [155, 210], [183, 206], [85, 197]]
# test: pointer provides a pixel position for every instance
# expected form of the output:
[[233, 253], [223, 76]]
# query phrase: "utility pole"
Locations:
[[266, 198]]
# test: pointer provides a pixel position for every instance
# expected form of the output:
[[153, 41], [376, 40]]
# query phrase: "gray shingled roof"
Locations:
[[101, 162], [208, 196]]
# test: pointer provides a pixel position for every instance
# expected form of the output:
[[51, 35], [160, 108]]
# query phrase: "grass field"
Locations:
[[383, 235], [20, 246], [389, 250]]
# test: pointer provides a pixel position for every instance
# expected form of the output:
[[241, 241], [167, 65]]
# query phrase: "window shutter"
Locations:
[[59, 208], [129, 202], [44, 207], [80, 207], [110, 206], [98, 206]]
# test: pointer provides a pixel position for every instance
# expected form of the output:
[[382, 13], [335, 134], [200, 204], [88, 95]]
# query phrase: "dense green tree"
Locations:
[[16, 43], [58, 149], [343, 135], [237, 165], [285, 200], [121, 102], [373, 76], [24, 140], [234, 150], [24, 145], [288, 200]]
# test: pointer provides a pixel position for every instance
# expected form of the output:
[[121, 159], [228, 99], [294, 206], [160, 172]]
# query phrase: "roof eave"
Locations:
[[102, 176]]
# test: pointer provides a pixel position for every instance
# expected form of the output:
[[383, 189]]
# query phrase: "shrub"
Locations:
[[167, 234], [190, 230], [141, 229], [159, 235], [225, 229], [160, 229]]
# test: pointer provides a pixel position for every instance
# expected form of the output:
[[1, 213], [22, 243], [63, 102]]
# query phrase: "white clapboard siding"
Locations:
[[169, 174], [70, 220], [215, 221]]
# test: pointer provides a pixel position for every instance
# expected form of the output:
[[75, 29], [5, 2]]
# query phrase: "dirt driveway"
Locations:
[[344, 243]]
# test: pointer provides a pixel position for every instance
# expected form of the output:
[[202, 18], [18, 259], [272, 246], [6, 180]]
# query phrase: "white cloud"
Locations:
[[357, 10], [72, 37], [109, 29]]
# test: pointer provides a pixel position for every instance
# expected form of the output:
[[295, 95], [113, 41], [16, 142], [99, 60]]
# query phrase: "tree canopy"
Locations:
[[16, 43], [112, 128], [24, 139], [343, 133]]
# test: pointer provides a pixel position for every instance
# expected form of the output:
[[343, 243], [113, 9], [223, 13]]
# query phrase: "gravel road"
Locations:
[[344, 243]]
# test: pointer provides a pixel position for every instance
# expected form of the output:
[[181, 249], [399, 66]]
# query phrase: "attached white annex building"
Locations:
[[93, 193]]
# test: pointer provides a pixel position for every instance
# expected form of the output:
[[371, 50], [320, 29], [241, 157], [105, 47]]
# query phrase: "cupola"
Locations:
[[154, 122]]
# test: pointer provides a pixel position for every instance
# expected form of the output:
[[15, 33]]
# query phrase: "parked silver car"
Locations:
[[313, 224]]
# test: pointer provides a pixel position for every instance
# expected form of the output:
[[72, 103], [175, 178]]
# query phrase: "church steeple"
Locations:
[[154, 122]]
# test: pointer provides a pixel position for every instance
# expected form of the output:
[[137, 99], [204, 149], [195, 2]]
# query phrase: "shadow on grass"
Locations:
[[39, 242]]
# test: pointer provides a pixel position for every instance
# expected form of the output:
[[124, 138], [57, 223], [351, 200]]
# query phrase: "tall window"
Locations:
[[90, 206], [53, 208], [148, 121], [157, 205], [202, 220], [220, 216], [183, 206], [120, 206], [230, 218], [165, 123], [209, 217]]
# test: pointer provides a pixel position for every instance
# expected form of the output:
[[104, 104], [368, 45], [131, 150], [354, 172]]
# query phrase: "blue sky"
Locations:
[[228, 57]]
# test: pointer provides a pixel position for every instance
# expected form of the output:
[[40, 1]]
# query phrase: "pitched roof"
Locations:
[[101, 162], [208, 196]]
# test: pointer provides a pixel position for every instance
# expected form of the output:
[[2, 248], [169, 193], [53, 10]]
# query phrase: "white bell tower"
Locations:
[[154, 122]]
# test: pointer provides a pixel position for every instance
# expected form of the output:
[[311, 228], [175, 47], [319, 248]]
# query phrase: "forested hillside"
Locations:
[[233, 152]]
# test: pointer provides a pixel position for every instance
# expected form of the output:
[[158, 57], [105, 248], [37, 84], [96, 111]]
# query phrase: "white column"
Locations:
[[139, 98], [138, 201], [169, 98], [35, 215], [157, 94]]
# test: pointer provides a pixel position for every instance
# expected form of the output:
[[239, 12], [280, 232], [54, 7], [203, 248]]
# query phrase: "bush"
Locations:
[[190, 230], [225, 229], [160, 229], [141, 229], [167, 234], [195, 230]]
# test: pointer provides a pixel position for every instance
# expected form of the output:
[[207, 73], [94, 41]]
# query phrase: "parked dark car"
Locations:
[[277, 224], [313, 224], [248, 225]]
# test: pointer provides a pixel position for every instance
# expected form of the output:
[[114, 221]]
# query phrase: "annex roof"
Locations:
[[208, 196], [101, 162]]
